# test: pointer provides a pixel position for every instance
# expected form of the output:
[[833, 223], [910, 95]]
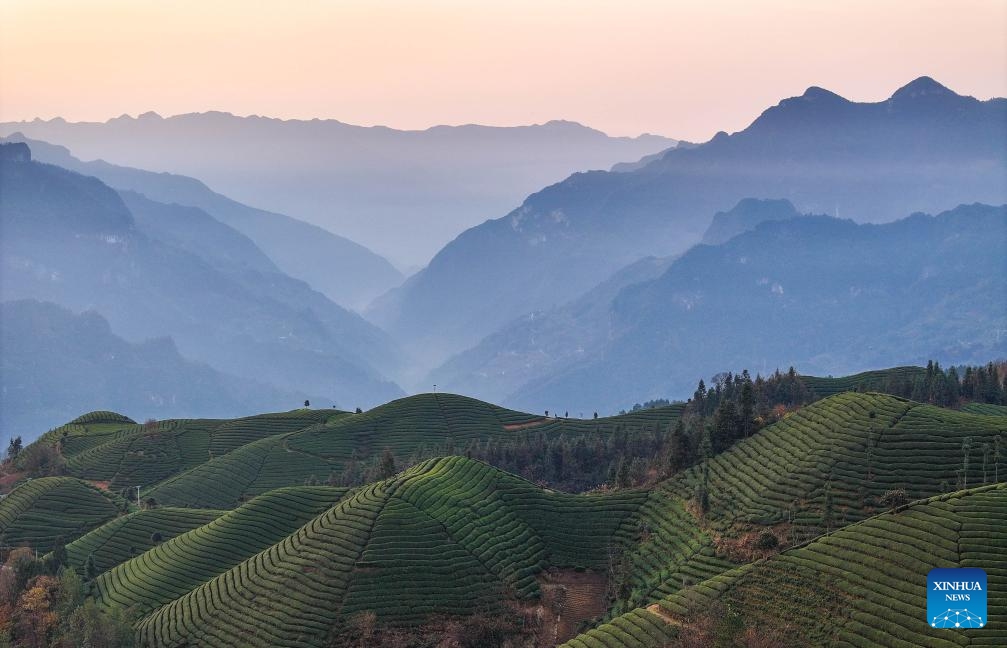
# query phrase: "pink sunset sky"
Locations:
[[682, 69]]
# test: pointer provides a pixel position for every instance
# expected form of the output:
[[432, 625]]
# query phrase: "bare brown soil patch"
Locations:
[[511, 427], [569, 598], [101, 485]]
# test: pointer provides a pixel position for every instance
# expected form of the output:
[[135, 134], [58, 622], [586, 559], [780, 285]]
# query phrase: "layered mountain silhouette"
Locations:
[[745, 216], [158, 270], [347, 273], [924, 149], [56, 364], [825, 294], [401, 193]]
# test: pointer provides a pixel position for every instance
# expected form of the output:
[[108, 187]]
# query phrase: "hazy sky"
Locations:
[[683, 69]]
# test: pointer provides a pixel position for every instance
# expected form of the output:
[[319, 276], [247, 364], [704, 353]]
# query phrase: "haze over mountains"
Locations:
[[157, 270], [823, 294], [924, 149], [57, 364], [403, 194], [348, 273], [589, 296]]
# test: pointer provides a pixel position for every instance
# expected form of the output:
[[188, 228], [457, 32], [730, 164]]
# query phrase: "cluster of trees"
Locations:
[[43, 605], [951, 387], [572, 463]]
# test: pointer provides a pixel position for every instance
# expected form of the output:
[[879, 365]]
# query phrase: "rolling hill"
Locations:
[[412, 429], [124, 537], [454, 544], [923, 149], [41, 512], [186, 560], [848, 449], [446, 537], [863, 585]]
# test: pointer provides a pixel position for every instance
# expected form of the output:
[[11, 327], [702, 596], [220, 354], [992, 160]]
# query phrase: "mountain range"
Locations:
[[56, 364], [825, 294], [401, 193], [347, 273], [925, 148], [158, 270]]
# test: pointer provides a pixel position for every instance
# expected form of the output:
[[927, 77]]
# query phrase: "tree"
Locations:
[[893, 499], [387, 464], [90, 625], [307, 403], [747, 408], [680, 451], [14, 448], [359, 411], [37, 620], [90, 569], [725, 426], [699, 398]]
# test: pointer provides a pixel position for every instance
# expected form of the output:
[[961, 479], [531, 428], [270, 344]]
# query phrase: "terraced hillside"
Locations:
[[41, 512], [412, 428], [847, 450], [187, 560], [986, 408], [125, 537], [449, 536], [126, 455], [863, 585], [881, 380]]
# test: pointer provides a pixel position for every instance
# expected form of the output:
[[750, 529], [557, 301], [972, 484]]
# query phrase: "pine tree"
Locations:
[[679, 454], [747, 408]]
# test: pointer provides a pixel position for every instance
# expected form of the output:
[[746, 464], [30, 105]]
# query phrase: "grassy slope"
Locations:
[[124, 537], [448, 536], [779, 477], [127, 455], [860, 586], [41, 511], [185, 561], [427, 422]]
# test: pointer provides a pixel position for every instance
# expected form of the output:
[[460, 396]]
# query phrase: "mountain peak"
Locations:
[[817, 93], [922, 87]]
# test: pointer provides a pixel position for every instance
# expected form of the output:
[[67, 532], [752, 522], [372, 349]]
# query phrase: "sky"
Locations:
[[676, 68]]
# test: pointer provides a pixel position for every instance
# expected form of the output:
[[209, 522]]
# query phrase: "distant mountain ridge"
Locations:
[[175, 271], [56, 364], [348, 273], [824, 294], [924, 149], [745, 216], [401, 193]]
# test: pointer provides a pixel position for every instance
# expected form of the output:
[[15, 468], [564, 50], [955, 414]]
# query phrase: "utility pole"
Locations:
[[435, 388], [137, 497]]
